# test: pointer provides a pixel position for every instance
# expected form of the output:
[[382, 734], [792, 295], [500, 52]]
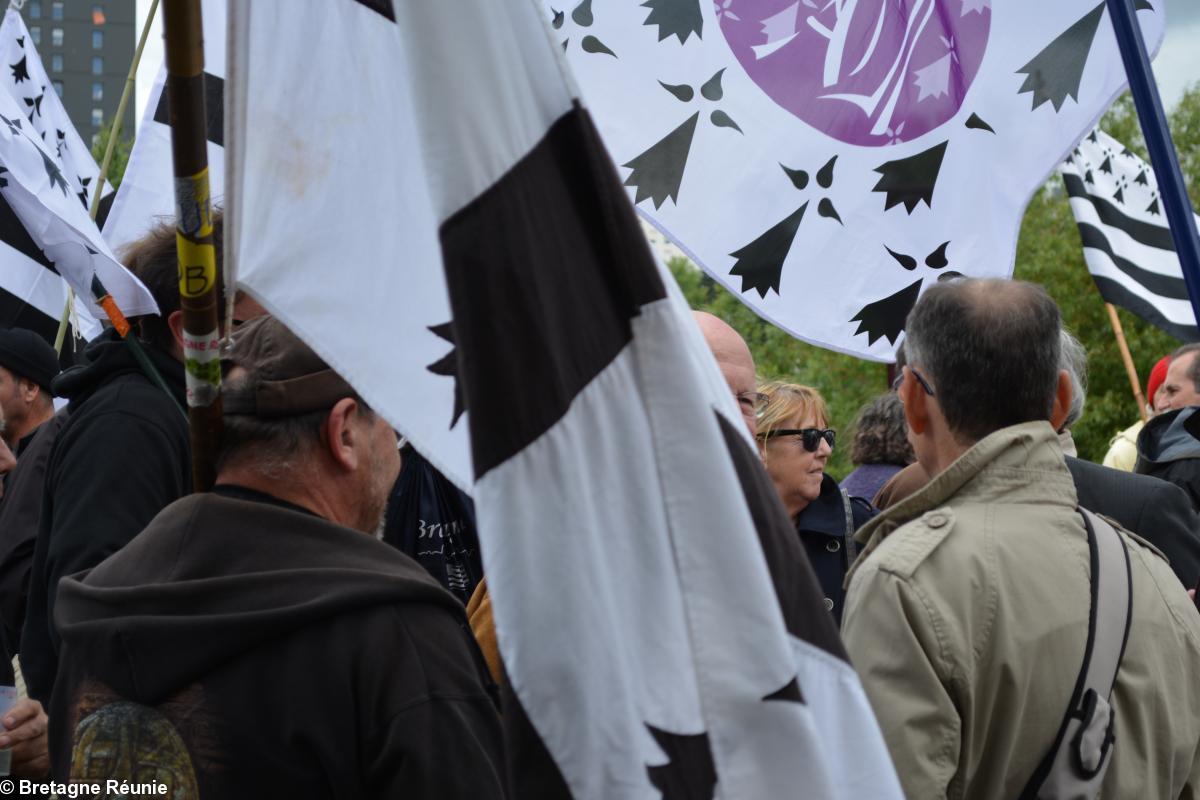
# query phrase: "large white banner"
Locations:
[[827, 160], [146, 197]]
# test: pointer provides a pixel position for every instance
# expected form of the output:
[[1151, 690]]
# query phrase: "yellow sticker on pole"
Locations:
[[193, 219], [197, 267]]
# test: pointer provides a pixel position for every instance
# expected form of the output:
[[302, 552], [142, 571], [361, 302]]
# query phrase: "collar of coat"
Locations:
[[1022, 463]]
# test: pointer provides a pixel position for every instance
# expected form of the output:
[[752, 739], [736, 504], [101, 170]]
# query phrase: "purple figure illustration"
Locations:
[[867, 72]]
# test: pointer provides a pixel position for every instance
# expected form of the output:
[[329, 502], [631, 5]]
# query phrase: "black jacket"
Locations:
[[120, 458], [823, 532], [1154, 509], [246, 649], [1169, 448], [20, 510]]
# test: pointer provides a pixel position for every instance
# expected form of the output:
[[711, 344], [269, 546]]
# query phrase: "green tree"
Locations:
[[1049, 252], [120, 156]]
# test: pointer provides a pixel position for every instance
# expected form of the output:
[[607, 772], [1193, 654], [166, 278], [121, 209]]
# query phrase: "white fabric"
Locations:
[[628, 584], [20, 275], [58, 223], [146, 197], [733, 189], [347, 181], [684, 591]]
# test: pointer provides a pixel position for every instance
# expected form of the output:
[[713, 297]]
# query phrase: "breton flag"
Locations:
[[50, 224], [146, 197], [446, 229], [828, 161], [31, 296], [1126, 240]]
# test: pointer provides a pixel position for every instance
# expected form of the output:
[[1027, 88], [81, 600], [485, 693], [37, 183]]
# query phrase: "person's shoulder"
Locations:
[[914, 545]]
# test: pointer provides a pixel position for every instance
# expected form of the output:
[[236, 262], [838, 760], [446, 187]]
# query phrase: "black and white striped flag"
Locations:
[[146, 197], [31, 295], [447, 230], [1126, 240]]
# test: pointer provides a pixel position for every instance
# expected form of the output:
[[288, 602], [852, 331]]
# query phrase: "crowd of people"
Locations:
[[280, 635]]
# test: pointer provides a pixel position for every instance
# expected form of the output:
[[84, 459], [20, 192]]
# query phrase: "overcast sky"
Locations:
[[1177, 65]]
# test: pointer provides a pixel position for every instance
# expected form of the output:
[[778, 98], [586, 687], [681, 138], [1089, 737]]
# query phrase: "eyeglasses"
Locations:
[[751, 402], [809, 437], [920, 379]]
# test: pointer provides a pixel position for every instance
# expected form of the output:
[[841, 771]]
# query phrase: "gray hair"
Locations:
[[1073, 359], [1193, 373], [991, 349], [275, 448]]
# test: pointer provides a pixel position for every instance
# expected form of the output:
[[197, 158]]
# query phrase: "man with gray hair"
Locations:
[[968, 613], [258, 640], [1158, 511], [1168, 447]]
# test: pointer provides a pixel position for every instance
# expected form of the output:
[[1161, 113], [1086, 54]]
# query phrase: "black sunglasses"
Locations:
[[809, 437]]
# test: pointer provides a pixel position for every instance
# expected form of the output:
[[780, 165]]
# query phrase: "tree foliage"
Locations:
[[120, 156], [1048, 253]]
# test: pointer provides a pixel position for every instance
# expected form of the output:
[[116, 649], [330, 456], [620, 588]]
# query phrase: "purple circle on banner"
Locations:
[[875, 73]]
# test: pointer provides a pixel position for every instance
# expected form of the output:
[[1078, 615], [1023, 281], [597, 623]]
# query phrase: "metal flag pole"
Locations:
[[194, 234], [113, 135], [1172, 190]]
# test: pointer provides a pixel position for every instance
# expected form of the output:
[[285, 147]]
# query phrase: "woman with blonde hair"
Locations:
[[795, 443]]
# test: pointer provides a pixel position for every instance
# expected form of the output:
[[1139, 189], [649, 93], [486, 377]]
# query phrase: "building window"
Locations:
[[58, 87], [56, 62], [97, 65], [98, 15], [97, 40], [97, 117], [35, 9], [36, 33], [56, 9], [56, 37], [97, 92]]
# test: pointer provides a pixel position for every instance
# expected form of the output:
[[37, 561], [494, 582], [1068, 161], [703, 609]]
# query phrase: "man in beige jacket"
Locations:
[[967, 613]]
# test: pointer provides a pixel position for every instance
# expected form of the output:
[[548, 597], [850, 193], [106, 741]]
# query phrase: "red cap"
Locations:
[[1157, 376]]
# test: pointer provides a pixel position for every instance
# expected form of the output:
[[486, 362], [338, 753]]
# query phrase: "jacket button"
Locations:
[[936, 521], [828, 604], [833, 545]]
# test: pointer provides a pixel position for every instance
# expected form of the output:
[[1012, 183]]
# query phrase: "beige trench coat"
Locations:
[[967, 617]]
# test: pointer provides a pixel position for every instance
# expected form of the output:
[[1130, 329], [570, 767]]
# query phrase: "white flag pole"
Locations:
[[113, 135]]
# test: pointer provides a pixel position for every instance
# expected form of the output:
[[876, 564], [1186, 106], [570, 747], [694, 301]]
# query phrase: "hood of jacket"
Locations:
[[1172, 436], [212, 577], [107, 357]]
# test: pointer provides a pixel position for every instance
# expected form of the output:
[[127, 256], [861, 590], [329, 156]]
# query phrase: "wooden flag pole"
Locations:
[[194, 234], [1130, 369], [113, 135]]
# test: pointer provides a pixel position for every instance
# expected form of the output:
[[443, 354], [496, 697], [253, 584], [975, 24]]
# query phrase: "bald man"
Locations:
[[736, 363]]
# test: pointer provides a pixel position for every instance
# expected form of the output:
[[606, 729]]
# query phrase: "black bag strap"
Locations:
[[1074, 767], [849, 548]]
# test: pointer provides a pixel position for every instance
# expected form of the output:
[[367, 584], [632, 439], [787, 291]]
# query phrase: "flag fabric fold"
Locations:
[[1127, 242], [30, 295], [43, 209], [447, 230]]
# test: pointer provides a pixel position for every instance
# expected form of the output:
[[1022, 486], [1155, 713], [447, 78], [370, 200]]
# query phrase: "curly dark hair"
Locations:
[[881, 434]]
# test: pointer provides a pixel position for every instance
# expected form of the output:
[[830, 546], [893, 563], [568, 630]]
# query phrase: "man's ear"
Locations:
[[175, 323], [341, 436], [916, 413], [29, 390], [1062, 400]]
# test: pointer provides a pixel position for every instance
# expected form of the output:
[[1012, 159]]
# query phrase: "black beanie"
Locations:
[[29, 356]]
